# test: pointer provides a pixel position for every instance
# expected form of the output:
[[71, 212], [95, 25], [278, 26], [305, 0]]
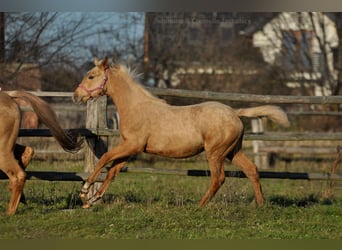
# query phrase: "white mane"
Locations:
[[131, 71], [136, 77]]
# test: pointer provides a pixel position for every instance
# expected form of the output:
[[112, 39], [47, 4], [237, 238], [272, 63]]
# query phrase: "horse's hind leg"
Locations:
[[23, 154], [251, 171], [217, 178]]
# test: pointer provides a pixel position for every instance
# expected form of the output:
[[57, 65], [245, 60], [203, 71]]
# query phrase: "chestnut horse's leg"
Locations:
[[251, 171], [13, 165], [217, 178], [17, 178], [23, 154]]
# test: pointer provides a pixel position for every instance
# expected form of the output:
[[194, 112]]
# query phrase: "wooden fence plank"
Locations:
[[268, 136], [299, 150], [280, 136], [220, 96], [74, 176]]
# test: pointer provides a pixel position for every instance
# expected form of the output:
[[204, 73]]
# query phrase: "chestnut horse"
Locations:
[[14, 157], [149, 124]]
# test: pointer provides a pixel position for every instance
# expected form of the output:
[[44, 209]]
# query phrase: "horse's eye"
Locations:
[[91, 77]]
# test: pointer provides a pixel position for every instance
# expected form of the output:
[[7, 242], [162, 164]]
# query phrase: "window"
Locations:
[[335, 57], [297, 50], [226, 34]]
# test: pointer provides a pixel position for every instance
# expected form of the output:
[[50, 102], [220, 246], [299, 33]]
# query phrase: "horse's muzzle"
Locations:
[[78, 99]]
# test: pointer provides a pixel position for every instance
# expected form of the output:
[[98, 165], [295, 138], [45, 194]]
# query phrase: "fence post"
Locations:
[[97, 145], [260, 159]]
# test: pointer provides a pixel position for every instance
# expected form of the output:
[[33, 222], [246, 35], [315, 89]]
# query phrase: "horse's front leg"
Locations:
[[91, 179], [120, 152], [112, 173]]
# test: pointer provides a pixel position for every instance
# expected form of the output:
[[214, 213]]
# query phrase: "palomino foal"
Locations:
[[148, 124]]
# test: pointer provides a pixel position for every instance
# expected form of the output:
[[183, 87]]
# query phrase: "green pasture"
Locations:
[[162, 206]]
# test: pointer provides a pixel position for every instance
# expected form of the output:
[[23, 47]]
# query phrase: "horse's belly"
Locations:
[[174, 147]]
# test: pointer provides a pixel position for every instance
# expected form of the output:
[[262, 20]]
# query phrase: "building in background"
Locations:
[[267, 53], [304, 45], [204, 51]]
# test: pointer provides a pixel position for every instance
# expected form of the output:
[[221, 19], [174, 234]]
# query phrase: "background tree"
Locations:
[[59, 44]]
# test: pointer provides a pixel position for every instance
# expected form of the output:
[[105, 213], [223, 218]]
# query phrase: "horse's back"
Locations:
[[181, 131], [211, 115], [197, 118]]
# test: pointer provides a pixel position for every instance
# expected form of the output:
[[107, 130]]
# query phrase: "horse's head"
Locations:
[[94, 82]]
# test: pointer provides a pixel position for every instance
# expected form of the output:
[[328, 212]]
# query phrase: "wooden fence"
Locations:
[[96, 134]]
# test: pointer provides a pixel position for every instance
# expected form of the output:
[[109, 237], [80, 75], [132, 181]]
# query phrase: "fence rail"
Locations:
[[218, 96], [250, 98], [267, 136], [77, 176]]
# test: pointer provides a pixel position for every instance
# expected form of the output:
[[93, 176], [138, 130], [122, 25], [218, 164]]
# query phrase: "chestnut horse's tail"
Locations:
[[274, 113], [45, 113]]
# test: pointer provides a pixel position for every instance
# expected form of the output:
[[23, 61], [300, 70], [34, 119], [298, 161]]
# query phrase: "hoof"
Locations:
[[83, 195], [84, 190], [9, 213], [94, 199], [87, 205], [27, 155]]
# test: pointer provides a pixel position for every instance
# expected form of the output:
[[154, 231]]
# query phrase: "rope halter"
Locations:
[[100, 87]]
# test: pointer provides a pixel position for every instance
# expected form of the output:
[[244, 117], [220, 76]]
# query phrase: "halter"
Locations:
[[101, 87]]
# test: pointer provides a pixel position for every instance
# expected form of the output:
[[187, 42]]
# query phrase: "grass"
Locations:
[[156, 206]]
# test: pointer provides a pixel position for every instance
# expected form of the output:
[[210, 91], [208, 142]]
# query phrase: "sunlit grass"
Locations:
[[159, 206]]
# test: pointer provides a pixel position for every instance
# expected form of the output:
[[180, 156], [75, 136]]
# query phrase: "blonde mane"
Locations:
[[134, 77]]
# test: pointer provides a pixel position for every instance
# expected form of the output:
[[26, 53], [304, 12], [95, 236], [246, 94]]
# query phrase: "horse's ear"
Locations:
[[96, 61], [104, 62]]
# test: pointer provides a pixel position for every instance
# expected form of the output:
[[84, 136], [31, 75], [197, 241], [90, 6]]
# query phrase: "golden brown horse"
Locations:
[[148, 124], [13, 157]]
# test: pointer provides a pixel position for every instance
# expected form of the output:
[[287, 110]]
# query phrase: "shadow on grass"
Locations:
[[129, 196], [310, 200], [70, 201], [133, 197]]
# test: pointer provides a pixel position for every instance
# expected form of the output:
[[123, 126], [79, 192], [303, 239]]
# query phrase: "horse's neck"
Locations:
[[125, 94]]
